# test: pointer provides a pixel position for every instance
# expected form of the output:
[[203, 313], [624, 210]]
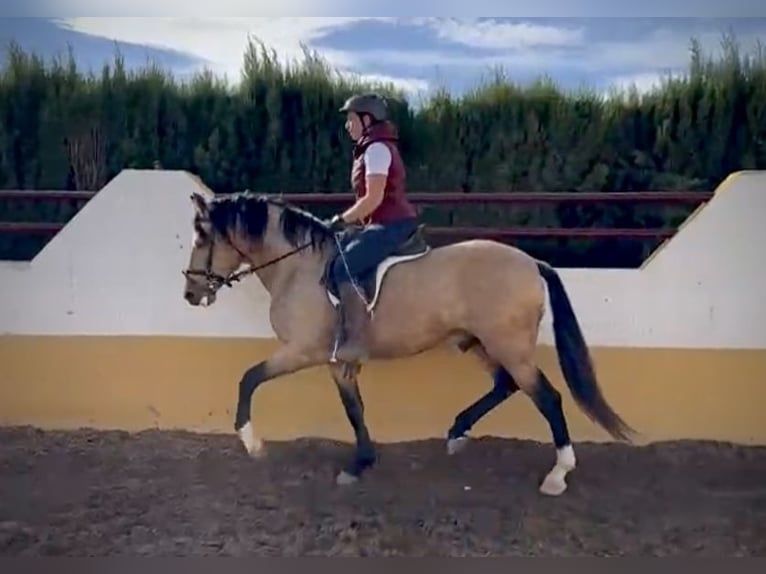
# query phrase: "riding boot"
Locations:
[[352, 332]]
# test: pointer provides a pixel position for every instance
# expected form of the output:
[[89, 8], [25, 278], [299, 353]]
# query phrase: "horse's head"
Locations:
[[244, 227], [214, 256]]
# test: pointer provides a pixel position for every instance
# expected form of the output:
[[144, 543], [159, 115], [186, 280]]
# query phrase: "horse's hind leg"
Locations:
[[516, 354], [503, 387], [548, 402]]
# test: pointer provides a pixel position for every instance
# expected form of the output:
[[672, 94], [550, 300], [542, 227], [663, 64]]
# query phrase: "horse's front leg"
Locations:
[[284, 361], [345, 377]]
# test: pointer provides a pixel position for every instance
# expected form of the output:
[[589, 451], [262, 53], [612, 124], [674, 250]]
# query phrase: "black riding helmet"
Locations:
[[371, 104]]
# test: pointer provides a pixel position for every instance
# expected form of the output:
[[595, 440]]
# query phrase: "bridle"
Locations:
[[216, 281]]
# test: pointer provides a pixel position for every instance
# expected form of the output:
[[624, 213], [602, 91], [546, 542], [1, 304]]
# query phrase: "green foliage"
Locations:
[[278, 130]]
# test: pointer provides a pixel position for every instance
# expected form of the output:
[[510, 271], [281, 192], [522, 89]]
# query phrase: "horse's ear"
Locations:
[[199, 204]]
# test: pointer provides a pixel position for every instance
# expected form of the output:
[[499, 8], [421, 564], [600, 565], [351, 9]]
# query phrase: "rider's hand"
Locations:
[[336, 223]]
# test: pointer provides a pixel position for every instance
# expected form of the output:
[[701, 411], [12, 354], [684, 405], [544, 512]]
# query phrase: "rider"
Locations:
[[382, 210]]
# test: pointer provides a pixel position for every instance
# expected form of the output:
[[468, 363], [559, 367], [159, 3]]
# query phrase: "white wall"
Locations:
[[704, 289], [116, 267]]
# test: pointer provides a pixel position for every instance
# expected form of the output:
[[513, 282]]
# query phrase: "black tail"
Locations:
[[575, 360]]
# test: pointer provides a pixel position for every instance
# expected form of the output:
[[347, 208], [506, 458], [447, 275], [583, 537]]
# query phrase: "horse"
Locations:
[[482, 296]]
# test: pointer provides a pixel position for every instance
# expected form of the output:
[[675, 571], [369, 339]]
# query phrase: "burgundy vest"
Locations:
[[395, 205]]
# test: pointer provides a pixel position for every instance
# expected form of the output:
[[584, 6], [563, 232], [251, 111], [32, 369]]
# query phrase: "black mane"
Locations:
[[251, 212]]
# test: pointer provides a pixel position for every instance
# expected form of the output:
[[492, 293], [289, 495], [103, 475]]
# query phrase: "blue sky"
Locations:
[[416, 53]]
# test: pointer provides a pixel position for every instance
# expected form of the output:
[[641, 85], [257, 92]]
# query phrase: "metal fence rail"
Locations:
[[433, 198]]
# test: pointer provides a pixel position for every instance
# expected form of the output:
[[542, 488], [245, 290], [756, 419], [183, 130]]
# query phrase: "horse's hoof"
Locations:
[[345, 479], [553, 485], [258, 451], [555, 482], [253, 445], [455, 445]]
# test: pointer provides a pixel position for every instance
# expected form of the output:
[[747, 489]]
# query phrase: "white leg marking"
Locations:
[[253, 444], [344, 478], [455, 445], [555, 483]]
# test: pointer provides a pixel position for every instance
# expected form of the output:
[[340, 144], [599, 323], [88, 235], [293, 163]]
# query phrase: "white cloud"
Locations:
[[412, 87], [220, 41], [436, 58], [643, 82], [516, 8], [504, 35], [664, 50], [174, 8], [520, 47], [661, 52]]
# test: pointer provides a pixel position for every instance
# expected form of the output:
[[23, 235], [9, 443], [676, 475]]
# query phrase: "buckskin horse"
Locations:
[[483, 296]]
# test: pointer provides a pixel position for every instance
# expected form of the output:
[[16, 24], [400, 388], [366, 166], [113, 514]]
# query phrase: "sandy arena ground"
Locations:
[[90, 493]]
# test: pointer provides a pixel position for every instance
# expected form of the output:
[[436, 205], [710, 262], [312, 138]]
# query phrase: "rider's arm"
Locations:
[[377, 159]]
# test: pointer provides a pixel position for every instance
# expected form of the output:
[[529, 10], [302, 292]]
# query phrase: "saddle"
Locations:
[[412, 248]]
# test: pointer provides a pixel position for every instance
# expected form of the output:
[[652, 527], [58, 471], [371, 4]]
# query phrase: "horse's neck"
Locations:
[[277, 277]]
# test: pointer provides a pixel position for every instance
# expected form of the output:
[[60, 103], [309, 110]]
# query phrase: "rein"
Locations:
[[216, 281]]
